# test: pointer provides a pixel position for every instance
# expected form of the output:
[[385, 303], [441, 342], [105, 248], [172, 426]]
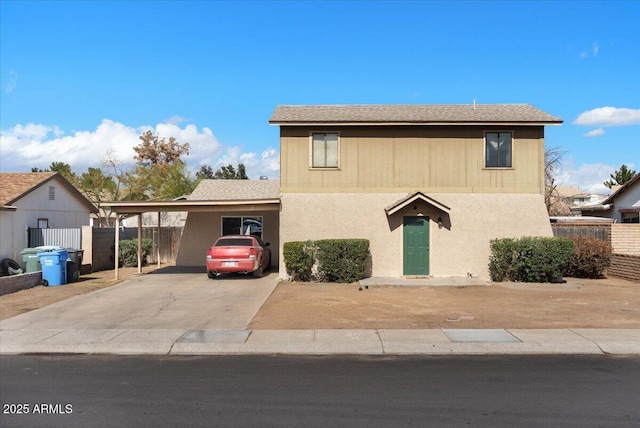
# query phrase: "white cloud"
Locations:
[[266, 163], [595, 49], [595, 132], [36, 145], [12, 82], [588, 177], [175, 120], [609, 116]]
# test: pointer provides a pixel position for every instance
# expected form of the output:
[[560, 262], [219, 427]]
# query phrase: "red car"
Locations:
[[238, 253]]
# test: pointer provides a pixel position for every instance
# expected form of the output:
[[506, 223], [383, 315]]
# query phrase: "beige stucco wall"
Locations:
[[203, 228], [461, 246]]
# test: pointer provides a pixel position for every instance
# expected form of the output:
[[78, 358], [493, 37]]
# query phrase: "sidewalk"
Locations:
[[323, 342]]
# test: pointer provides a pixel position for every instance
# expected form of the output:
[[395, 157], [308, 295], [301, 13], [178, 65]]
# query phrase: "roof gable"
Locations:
[[412, 114], [625, 187], [17, 185]]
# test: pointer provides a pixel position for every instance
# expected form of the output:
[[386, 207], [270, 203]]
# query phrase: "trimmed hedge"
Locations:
[[341, 260], [590, 258], [336, 260], [299, 259], [129, 251], [529, 259]]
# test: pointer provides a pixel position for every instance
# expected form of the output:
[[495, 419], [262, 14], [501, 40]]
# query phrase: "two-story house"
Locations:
[[428, 185]]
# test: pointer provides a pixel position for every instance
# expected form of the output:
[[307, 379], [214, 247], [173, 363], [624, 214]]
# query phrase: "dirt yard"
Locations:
[[37, 297], [604, 303]]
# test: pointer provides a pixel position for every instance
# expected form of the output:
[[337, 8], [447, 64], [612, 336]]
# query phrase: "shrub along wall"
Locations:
[[335, 260], [590, 257], [529, 259]]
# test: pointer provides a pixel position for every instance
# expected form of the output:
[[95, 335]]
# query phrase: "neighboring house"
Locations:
[[37, 200], [428, 185], [623, 205], [575, 197]]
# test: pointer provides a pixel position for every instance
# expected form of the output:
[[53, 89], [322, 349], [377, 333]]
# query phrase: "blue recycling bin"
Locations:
[[54, 266]]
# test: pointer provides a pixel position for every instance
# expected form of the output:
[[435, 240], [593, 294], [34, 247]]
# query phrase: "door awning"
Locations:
[[410, 199]]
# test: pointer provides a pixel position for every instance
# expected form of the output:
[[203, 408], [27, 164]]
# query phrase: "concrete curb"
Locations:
[[322, 342]]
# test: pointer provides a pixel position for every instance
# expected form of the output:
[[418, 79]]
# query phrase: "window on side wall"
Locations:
[[242, 226], [324, 150], [498, 149], [630, 217]]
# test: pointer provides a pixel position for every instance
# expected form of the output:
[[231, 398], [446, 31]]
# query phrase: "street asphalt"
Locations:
[[182, 314]]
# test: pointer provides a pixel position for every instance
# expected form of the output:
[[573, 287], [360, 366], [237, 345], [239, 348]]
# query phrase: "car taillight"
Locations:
[[252, 253], [209, 253]]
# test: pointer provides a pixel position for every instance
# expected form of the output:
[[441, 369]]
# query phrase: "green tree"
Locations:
[[620, 176], [229, 173], [205, 172], [63, 169]]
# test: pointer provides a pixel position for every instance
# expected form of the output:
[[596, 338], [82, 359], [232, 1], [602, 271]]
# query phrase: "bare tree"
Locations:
[[556, 205]]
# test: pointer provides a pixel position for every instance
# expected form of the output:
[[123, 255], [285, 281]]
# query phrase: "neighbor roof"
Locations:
[[16, 185], [218, 190], [621, 189], [412, 114]]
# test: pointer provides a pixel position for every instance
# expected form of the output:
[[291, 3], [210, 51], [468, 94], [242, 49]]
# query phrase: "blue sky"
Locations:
[[80, 80]]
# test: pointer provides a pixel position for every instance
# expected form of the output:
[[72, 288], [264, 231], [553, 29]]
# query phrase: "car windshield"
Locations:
[[234, 242]]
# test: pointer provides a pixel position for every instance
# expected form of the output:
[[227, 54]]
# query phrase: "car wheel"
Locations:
[[258, 272], [211, 275]]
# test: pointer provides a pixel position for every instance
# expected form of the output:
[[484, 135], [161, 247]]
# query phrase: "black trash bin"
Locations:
[[74, 263]]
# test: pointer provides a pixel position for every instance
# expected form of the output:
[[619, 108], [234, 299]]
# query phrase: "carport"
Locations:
[[230, 199]]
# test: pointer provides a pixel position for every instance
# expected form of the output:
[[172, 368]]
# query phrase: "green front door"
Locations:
[[415, 246]]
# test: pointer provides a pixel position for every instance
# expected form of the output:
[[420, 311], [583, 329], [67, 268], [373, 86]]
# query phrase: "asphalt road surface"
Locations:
[[331, 391]]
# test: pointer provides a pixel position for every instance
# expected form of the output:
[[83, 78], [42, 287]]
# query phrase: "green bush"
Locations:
[[299, 259], [529, 259], [341, 260], [337, 260], [590, 257], [129, 251]]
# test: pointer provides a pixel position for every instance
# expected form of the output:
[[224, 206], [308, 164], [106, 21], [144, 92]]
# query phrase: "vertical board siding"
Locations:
[[403, 158]]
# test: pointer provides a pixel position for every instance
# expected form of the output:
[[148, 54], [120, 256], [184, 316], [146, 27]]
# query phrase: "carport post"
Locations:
[[117, 245], [158, 242], [140, 243]]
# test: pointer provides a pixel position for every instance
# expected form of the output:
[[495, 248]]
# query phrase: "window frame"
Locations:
[[324, 168], [242, 219], [484, 147]]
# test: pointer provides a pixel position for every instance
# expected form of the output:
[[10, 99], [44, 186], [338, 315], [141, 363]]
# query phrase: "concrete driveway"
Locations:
[[170, 298]]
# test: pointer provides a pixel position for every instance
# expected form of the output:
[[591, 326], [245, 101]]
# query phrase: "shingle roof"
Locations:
[[409, 114], [221, 190], [15, 185]]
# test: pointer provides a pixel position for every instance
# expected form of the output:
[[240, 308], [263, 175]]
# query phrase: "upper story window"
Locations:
[[52, 193], [324, 150], [498, 149]]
